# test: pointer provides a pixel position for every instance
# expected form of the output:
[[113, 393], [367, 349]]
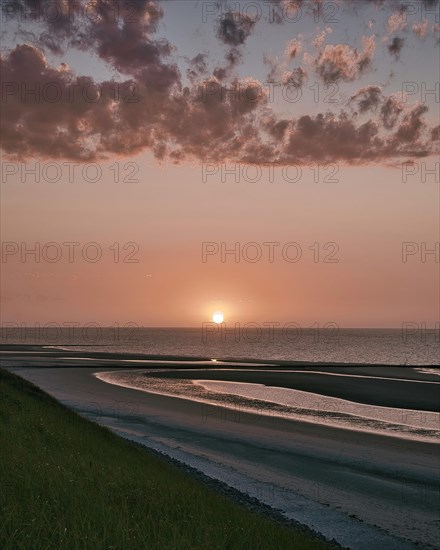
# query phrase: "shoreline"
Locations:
[[406, 424], [314, 473], [60, 350], [376, 385]]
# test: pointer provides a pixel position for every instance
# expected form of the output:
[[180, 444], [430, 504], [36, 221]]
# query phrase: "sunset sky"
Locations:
[[170, 124]]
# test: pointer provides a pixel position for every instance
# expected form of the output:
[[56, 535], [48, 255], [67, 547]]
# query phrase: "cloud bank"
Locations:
[[216, 117]]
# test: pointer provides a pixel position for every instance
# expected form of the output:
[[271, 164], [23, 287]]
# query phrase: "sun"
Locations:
[[218, 317]]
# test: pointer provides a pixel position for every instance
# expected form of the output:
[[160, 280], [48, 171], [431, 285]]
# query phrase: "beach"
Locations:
[[360, 488]]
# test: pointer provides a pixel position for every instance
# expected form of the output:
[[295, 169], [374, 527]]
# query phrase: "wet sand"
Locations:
[[372, 388], [364, 490]]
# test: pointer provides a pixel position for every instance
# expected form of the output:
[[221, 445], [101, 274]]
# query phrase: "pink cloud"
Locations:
[[217, 117], [342, 62]]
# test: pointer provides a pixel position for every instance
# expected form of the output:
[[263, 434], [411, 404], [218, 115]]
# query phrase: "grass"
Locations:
[[67, 483]]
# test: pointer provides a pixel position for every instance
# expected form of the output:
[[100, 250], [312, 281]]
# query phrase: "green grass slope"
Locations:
[[67, 483]]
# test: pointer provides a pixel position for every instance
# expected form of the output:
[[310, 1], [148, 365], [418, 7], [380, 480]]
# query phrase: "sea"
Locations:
[[411, 345], [224, 349]]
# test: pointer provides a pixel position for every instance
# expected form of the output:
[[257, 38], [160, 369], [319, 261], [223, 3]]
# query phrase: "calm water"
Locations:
[[380, 346]]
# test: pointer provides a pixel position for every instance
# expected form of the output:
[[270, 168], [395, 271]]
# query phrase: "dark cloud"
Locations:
[[234, 28], [328, 136], [218, 117], [412, 124], [390, 111], [367, 98], [74, 117], [233, 58], [276, 128], [296, 77], [370, 98], [122, 38], [396, 46], [198, 67], [119, 32], [233, 121], [428, 3], [220, 73], [199, 63]]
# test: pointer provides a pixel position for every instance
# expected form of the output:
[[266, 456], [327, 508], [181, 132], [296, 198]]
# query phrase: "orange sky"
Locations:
[[170, 213], [172, 168]]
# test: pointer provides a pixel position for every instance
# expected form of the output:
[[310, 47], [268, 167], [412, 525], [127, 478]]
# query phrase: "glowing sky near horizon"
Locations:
[[349, 181]]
